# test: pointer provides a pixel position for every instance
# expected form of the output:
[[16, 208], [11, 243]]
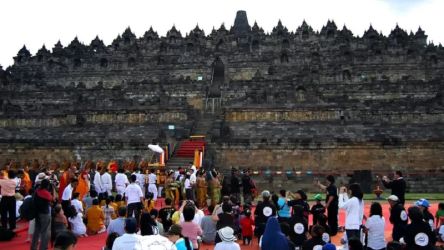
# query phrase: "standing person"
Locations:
[[188, 187], [190, 229], [418, 234], [98, 186], [300, 226], [282, 207], [140, 179], [264, 210], [398, 217], [224, 219], [8, 201], [354, 209], [107, 182], [331, 203], [214, 188], [152, 179], [121, 181], [201, 190], [235, 184], [317, 209], [397, 185], [375, 228], [424, 205], [247, 187], [83, 186], [67, 195], [246, 225], [42, 202], [134, 198]]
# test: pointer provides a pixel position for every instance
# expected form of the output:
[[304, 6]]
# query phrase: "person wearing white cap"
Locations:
[[226, 234], [398, 217]]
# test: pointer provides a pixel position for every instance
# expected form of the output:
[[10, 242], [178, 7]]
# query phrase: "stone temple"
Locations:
[[294, 100]]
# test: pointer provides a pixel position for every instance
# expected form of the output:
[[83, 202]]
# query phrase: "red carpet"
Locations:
[[98, 241], [187, 148]]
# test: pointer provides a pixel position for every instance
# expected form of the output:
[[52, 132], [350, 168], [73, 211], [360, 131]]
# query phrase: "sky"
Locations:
[[37, 22]]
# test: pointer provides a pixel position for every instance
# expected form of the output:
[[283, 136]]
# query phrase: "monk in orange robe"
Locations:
[[83, 186], [95, 218], [26, 180]]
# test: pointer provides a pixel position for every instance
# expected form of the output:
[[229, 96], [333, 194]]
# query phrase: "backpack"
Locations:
[[27, 209]]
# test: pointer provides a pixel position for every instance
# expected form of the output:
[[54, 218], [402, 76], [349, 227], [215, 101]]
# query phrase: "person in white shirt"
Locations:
[[76, 203], [76, 221], [193, 179], [129, 240], [98, 187], [67, 195], [140, 180], [107, 182], [354, 209], [375, 226], [152, 179], [134, 198], [121, 181]]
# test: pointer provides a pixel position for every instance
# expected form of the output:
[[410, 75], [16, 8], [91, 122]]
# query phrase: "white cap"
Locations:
[[393, 198]]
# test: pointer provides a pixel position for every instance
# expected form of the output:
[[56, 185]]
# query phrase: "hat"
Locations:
[[318, 197], [130, 225], [393, 198], [42, 176], [226, 234], [175, 229], [266, 193], [329, 246], [422, 203]]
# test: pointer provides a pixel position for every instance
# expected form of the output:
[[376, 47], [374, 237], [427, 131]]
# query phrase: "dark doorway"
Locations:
[[218, 71]]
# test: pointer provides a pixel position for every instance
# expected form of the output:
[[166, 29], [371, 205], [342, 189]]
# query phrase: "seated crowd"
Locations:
[[131, 220]]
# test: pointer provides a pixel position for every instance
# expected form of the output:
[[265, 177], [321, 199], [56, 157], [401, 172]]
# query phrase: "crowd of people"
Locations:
[[201, 206]]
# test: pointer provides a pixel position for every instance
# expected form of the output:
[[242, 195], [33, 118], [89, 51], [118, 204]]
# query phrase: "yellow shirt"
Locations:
[[176, 217], [116, 209], [95, 218]]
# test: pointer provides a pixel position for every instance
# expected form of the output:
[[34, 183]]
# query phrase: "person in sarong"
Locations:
[[201, 185], [172, 188], [215, 188], [26, 180]]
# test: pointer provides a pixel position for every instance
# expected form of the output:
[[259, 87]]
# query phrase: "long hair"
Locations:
[[356, 191]]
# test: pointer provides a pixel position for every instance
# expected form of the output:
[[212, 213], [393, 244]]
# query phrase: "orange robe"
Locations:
[[82, 187], [63, 183], [96, 219], [27, 183]]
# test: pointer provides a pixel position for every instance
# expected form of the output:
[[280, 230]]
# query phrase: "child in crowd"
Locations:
[[317, 209], [76, 203], [95, 219], [175, 236], [108, 211], [149, 202], [76, 221], [246, 225], [154, 215]]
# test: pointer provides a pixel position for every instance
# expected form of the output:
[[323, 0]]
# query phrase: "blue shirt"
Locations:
[[180, 244], [283, 208], [117, 226]]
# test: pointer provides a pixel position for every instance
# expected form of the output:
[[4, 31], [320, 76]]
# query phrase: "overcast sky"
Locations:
[[38, 22]]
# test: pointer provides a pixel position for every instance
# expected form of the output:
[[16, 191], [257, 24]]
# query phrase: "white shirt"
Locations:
[[133, 193], [354, 211], [67, 193], [98, 183], [140, 179], [107, 182], [77, 225], [227, 246], [121, 180], [187, 184], [127, 242], [441, 232], [152, 178], [18, 204], [78, 205], [376, 225], [198, 216]]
